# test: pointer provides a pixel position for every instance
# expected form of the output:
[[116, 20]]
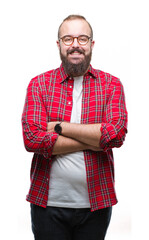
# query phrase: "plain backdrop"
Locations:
[[28, 35]]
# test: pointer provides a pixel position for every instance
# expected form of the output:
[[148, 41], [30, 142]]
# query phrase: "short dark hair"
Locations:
[[73, 17]]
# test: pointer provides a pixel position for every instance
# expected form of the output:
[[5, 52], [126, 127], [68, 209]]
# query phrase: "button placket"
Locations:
[[70, 91]]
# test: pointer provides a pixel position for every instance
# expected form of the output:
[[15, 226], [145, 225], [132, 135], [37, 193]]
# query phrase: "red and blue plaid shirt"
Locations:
[[49, 98]]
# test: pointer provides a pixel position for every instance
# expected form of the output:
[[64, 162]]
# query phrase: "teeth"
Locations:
[[76, 53]]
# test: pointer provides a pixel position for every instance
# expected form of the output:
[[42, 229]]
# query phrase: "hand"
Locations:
[[51, 126]]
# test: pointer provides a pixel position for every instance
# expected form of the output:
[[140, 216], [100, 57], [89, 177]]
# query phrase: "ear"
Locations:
[[92, 44], [58, 44]]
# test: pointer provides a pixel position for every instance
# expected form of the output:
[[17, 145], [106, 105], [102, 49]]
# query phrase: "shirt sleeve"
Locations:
[[114, 127], [34, 123]]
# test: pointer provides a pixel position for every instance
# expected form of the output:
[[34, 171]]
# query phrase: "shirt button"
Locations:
[[69, 103], [70, 86]]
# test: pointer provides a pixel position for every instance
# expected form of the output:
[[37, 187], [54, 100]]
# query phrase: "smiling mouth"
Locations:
[[75, 55], [75, 52]]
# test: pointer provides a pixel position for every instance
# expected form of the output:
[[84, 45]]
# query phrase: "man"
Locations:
[[73, 117]]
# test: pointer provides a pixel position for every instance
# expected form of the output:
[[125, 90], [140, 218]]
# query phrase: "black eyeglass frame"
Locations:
[[62, 38]]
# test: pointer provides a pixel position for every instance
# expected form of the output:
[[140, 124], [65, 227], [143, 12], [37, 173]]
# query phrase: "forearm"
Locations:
[[89, 134], [65, 145]]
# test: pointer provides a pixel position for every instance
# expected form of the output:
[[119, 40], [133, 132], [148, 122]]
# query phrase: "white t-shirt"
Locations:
[[68, 184]]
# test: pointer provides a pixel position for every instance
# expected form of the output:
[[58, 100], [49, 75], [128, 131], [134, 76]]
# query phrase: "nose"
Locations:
[[75, 43]]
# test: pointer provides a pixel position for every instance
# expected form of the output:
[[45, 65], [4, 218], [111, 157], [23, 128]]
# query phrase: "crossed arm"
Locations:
[[39, 136], [76, 137]]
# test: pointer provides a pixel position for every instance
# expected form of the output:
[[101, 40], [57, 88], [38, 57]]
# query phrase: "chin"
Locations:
[[75, 61], [76, 66]]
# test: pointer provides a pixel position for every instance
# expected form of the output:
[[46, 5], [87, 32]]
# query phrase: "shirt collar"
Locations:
[[92, 72], [64, 76]]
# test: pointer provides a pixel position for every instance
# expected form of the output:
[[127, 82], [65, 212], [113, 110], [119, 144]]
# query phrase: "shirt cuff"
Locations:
[[108, 133], [49, 144]]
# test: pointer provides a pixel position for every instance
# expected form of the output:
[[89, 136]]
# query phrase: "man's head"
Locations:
[[75, 45]]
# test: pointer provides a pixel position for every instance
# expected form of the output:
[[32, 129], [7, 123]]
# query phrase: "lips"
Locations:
[[75, 51]]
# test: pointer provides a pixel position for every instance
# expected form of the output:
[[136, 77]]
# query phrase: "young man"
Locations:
[[73, 117]]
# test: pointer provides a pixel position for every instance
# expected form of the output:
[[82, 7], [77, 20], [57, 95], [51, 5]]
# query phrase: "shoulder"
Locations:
[[44, 78], [107, 78]]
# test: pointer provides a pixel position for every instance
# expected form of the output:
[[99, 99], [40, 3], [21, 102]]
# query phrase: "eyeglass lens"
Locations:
[[82, 40]]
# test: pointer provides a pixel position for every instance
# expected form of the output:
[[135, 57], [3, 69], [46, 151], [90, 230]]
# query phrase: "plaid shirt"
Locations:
[[49, 98]]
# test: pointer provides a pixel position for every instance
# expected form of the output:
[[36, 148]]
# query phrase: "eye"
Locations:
[[83, 39], [67, 39]]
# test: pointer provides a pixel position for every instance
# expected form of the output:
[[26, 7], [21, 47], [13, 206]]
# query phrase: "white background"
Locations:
[[27, 48]]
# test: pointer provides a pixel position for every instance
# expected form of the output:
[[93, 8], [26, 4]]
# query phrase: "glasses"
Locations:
[[68, 40]]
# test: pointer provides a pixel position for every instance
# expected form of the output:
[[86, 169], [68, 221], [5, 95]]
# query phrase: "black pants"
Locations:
[[54, 223]]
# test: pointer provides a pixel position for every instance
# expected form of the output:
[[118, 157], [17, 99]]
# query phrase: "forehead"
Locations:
[[75, 27]]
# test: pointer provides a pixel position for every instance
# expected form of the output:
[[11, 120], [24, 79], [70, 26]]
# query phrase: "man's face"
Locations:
[[75, 58]]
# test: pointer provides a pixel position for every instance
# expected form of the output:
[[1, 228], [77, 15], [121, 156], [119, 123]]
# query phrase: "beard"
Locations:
[[78, 69]]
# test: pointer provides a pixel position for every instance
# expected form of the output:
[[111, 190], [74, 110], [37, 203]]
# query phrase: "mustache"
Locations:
[[75, 50]]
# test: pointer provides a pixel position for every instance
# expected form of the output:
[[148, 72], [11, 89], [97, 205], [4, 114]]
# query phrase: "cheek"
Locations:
[[63, 50], [88, 50]]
